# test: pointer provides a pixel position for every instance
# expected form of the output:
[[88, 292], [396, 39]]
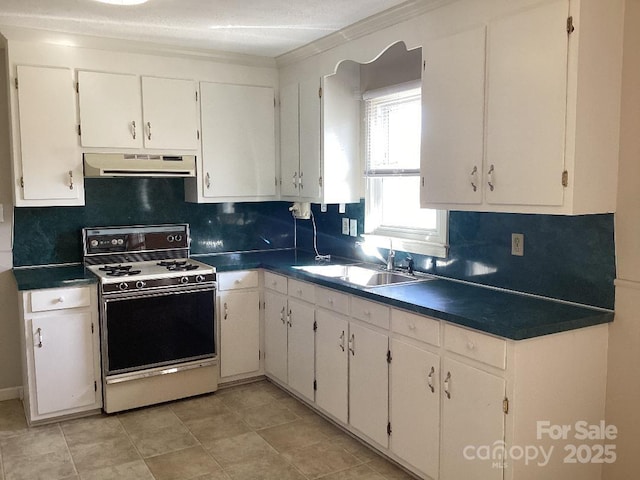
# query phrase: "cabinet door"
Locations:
[[368, 382], [453, 118], [309, 109], [415, 406], [50, 157], [526, 106], [110, 110], [170, 113], [301, 346], [331, 364], [471, 416], [238, 140], [239, 332], [289, 141], [63, 359], [275, 335]]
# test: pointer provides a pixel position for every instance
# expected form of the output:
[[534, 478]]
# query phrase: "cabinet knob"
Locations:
[[412, 326], [490, 181], [474, 178], [60, 299], [471, 345], [70, 180], [133, 129], [39, 333], [207, 180], [148, 130], [447, 382]]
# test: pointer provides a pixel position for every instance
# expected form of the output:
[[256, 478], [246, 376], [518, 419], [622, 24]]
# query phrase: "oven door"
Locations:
[[143, 330]]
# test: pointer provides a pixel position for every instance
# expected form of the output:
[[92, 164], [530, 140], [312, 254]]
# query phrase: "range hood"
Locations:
[[138, 165]]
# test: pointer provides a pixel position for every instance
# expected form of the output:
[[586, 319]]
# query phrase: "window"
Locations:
[[392, 173]]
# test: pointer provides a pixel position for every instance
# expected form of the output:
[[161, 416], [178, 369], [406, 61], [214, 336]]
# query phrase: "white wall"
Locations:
[[623, 380], [10, 376]]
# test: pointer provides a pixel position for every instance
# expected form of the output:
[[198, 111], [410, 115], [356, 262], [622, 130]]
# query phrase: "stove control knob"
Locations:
[[184, 280], [199, 278], [140, 284], [114, 241], [178, 238], [120, 241], [123, 285], [93, 243], [170, 238]]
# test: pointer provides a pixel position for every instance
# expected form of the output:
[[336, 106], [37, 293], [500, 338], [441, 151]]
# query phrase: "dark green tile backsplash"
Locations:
[[569, 258]]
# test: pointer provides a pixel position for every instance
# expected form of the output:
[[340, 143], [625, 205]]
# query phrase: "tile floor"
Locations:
[[253, 431]]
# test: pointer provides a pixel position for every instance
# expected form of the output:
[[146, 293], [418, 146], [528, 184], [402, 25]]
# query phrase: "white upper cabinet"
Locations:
[[170, 110], [320, 138], [128, 111], [238, 141], [110, 110], [47, 157], [521, 114]]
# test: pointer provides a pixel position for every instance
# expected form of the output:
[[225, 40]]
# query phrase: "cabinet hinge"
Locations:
[[274, 102], [95, 386], [198, 134], [21, 182], [389, 358], [15, 81], [389, 428], [91, 327], [276, 179], [424, 65], [570, 27], [565, 178], [196, 95], [315, 385], [77, 87], [259, 354], [79, 130], [320, 180], [320, 92], [315, 325], [422, 182], [505, 405]]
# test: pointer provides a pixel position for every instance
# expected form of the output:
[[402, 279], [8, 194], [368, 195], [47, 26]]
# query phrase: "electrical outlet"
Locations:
[[353, 227], [323, 207], [342, 208], [345, 226], [517, 244]]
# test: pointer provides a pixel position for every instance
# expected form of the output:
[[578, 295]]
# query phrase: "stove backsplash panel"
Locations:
[[51, 235]]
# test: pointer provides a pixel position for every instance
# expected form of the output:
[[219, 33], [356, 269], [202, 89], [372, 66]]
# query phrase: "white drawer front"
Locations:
[[476, 345], [275, 282], [415, 326], [302, 290], [60, 298], [236, 280], [370, 312], [333, 300]]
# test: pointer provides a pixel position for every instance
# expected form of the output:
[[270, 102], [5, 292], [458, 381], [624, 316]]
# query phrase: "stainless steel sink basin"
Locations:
[[359, 275]]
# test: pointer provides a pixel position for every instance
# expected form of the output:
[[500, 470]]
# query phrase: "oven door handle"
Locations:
[[126, 377]]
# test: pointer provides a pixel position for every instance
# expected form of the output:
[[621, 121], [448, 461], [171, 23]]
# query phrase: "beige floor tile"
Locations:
[[99, 428], [183, 464], [246, 447], [136, 470], [12, 419], [247, 396], [89, 457], [200, 407], [267, 415], [320, 459], [324, 426], [45, 466], [354, 447], [1, 469], [388, 470], [269, 467], [361, 472], [36, 441], [219, 475], [297, 407], [215, 428], [298, 434], [273, 390], [156, 431]]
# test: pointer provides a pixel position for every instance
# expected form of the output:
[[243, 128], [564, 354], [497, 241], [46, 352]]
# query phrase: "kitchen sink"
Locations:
[[359, 275]]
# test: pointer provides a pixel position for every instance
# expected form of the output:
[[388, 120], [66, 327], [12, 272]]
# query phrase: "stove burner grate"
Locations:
[[177, 266], [119, 270]]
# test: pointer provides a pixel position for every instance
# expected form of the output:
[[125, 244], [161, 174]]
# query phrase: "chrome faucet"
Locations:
[[391, 257]]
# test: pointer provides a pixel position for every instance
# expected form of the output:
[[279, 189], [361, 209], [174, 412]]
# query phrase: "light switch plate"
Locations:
[[517, 244], [345, 226], [353, 227], [342, 208]]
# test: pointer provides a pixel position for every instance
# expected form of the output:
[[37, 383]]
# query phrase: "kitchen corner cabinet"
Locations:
[[61, 353], [541, 135], [238, 142], [239, 321], [320, 138], [128, 111], [46, 155]]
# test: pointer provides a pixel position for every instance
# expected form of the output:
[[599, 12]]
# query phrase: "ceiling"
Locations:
[[256, 27]]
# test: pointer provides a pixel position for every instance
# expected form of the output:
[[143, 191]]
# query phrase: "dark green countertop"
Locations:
[[35, 278], [499, 312]]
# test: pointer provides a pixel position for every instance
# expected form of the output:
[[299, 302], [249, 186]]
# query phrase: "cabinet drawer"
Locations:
[[236, 280], [60, 298], [475, 345], [333, 300], [275, 282], [302, 290], [370, 312], [415, 326]]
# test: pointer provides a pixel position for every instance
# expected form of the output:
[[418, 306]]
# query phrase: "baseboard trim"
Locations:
[[10, 393]]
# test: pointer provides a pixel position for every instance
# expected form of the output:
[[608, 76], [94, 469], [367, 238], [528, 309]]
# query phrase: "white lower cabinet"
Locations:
[[332, 364], [239, 314], [301, 347], [61, 352], [275, 335], [414, 393]]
